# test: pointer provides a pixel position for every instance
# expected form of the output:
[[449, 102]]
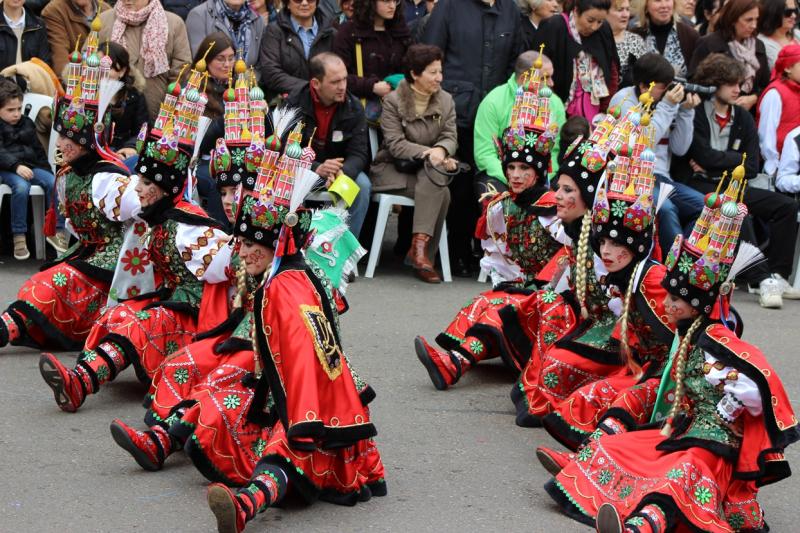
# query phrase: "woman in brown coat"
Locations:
[[68, 20], [419, 122]]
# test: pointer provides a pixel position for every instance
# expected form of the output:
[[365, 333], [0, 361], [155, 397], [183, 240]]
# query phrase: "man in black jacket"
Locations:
[[336, 120], [723, 133], [22, 35], [480, 39]]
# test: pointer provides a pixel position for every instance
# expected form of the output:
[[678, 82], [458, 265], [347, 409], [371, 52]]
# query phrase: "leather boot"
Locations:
[[552, 460], [418, 259]]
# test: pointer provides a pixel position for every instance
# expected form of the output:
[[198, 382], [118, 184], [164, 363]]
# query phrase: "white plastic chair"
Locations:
[[37, 102], [385, 203], [796, 283], [37, 204]]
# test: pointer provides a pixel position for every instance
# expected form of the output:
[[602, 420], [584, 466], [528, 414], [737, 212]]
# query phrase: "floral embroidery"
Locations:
[[93, 306], [596, 434], [550, 337], [604, 477], [736, 521], [585, 454], [231, 401], [135, 261], [102, 373], [171, 419], [258, 446], [530, 139], [551, 380], [675, 473], [637, 521], [702, 495], [89, 356], [139, 228], [618, 208], [171, 347], [625, 491], [549, 296], [685, 263], [497, 301], [476, 347], [181, 376], [142, 315], [59, 279], [133, 291]]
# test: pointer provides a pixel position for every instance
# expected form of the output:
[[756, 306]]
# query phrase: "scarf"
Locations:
[[153, 50], [745, 53], [588, 82], [238, 24], [672, 48]]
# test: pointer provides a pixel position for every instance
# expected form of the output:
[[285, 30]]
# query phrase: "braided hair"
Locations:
[[625, 349], [581, 259], [680, 368]]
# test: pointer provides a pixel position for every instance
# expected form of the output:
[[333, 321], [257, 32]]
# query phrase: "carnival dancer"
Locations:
[[724, 416], [57, 307], [622, 236], [321, 442], [165, 262], [519, 234]]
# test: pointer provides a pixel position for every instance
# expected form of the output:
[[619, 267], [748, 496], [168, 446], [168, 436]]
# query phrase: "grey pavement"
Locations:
[[455, 460]]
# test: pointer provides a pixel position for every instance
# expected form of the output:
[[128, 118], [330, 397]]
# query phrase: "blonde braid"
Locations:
[[680, 368], [580, 262], [625, 349], [241, 287]]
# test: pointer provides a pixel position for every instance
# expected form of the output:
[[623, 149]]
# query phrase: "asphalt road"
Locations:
[[455, 460]]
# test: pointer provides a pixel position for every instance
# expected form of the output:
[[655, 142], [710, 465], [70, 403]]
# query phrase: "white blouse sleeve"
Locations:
[[115, 195], [741, 392], [497, 259], [206, 251]]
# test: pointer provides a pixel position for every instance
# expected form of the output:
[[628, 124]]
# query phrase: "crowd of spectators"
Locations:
[[431, 83]]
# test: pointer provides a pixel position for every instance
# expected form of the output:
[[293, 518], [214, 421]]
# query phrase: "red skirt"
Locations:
[[552, 378], [152, 333], [573, 419], [60, 305], [477, 330], [628, 472], [182, 372]]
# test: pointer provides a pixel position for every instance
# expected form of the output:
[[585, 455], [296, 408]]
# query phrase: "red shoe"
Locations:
[[443, 369], [139, 444], [553, 461], [226, 508], [66, 385], [608, 520]]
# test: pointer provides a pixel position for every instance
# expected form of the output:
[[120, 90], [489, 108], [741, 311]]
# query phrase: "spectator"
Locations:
[[220, 58], [417, 27], [779, 109], [494, 115], [266, 9], [233, 18], [68, 21], [23, 162], [788, 177], [155, 39], [686, 11], [533, 13], [300, 32], [735, 36], [580, 41], [630, 46], [664, 32], [706, 14], [329, 8], [419, 121], [413, 10], [573, 128], [14, 48], [128, 109], [346, 6], [380, 30], [723, 133], [336, 120], [672, 117], [776, 25], [480, 41], [181, 8]]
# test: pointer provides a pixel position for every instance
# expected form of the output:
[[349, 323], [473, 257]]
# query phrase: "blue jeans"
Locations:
[[678, 213], [131, 163], [20, 189], [358, 211], [207, 189]]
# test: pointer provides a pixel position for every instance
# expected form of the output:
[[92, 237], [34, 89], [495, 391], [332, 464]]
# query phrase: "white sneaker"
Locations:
[[769, 294], [789, 292]]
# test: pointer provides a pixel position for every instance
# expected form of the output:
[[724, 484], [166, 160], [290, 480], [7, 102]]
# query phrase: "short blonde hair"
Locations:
[[527, 6], [642, 19]]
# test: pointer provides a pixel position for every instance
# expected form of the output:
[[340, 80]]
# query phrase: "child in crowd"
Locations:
[[23, 162], [129, 108]]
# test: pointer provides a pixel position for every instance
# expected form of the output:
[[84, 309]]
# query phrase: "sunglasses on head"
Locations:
[[789, 12]]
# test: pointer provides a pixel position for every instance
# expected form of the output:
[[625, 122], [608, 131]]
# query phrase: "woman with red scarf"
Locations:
[[779, 108]]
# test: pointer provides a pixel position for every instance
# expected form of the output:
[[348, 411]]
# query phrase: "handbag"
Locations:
[[408, 166]]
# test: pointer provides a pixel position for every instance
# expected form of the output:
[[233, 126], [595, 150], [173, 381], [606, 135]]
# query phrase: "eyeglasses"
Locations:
[[788, 13], [395, 2], [300, 2]]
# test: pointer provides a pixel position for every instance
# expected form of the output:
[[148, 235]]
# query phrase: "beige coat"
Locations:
[[406, 135], [64, 25], [178, 52]]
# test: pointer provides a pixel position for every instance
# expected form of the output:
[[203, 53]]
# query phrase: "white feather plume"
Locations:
[[202, 127], [665, 190], [105, 93], [747, 256], [304, 181], [283, 118]]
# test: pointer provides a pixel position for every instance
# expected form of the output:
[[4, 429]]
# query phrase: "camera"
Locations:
[[701, 90]]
